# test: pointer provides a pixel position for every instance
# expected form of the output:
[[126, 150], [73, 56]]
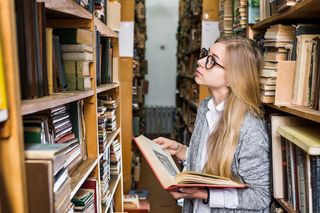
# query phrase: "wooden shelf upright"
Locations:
[[13, 181]]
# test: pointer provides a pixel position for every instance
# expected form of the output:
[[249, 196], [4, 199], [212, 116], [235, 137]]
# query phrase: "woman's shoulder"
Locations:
[[253, 129], [204, 103]]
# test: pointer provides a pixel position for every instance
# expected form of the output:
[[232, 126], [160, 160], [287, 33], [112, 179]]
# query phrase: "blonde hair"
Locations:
[[243, 63]]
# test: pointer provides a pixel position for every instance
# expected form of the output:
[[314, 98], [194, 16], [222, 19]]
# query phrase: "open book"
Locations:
[[168, 173]]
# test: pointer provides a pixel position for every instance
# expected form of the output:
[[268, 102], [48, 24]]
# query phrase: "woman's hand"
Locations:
[[190, 192], [173, 147]]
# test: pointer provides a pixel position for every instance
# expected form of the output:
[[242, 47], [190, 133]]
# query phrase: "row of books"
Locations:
[[86, 198], [110, 168], [56, 60], [140, 68], [107, 123], [49, 164], [298, 82], [296, 162]]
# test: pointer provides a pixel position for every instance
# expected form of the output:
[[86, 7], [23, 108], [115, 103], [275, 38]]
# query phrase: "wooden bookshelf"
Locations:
[[47, 102], [305, 9], [66, 9], [104, 29], [60, 14], [114, 181], [303, 112], [307, 138], [106, 87], [81, 173]]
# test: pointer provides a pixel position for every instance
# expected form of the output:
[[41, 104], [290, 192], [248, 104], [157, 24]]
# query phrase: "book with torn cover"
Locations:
[[169, 175]]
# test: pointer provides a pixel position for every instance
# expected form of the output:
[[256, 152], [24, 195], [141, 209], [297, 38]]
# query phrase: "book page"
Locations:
[[159, 160]]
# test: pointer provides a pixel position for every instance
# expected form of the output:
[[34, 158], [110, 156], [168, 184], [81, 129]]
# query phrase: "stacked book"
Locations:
[[115, 158], [105, 177], [239, 15], [102, 132], [278, 45], [111, 124], [77, 58], [225, 17], [84, 201], [99, 9], [45, 164], [54, 127], [77, 54]]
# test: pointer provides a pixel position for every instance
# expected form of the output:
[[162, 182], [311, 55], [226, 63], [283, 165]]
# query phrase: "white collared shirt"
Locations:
[[219, 198]]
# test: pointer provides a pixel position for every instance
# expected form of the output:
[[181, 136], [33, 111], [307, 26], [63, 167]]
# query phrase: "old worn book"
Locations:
[[3, 96], [169, 175]]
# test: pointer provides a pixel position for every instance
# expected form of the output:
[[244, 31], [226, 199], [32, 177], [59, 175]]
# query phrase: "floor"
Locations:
[[160, 200]]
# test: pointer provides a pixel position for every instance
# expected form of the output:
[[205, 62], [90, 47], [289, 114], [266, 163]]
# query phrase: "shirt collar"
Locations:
[[217, 108]]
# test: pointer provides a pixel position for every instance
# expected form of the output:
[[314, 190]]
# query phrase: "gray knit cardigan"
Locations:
[[251, 163]]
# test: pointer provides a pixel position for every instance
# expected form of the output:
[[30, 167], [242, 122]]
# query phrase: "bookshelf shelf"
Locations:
[[303, 112], [104, 29], [306, 9], [106, 87], [110, 139], [288, 208], [81, 174], [113, 185], [307, 138], [64, 8], [47, 102]]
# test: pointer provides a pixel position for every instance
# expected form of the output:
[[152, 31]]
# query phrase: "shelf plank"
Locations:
[[81, 174], [106, 87], [306, 9], [110, 138], [303, 112], [66, 7], [287, 206], [104, 30], [113, 185], [47, 102], [307, 138]]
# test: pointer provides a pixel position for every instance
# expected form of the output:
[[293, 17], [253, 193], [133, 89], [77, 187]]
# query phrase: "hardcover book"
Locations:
[[169, 175]]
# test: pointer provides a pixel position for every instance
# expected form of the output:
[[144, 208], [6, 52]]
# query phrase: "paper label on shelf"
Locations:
[[210, 33], [126, 39]]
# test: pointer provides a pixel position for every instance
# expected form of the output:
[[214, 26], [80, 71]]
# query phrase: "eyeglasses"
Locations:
[[210, 61]]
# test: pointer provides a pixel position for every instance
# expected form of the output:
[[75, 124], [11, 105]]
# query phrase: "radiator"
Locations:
[[159, 121]]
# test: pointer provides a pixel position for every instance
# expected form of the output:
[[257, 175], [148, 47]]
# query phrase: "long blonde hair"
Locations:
[[243, 63]]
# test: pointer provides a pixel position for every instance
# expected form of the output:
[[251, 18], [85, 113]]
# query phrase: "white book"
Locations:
[[77, 48], [77, 56]]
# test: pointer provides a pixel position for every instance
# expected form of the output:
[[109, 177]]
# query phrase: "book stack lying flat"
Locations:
[[77, 54], [111, 105], [239, 15], [278, 44], [102, 132], [84, 201], [115, 158], [45, 165], [225, 17], [54, 127]]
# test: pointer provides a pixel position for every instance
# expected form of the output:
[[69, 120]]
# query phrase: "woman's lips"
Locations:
[[198, 72]]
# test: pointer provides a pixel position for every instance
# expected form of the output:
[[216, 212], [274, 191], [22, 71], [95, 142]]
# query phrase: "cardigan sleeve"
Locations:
[[254, 166]]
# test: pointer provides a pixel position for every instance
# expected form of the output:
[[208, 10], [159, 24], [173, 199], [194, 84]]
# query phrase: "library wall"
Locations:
[[160, 51]]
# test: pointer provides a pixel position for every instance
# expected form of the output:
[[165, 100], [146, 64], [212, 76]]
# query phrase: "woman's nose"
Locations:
[[201, 62]]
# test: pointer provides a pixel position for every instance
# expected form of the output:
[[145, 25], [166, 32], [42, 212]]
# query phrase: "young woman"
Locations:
[[229, 137]]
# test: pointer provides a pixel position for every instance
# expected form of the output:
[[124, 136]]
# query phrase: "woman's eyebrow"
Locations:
[[214, 55]]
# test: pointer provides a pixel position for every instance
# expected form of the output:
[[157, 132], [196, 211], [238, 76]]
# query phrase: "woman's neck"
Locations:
[[219, 95]]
